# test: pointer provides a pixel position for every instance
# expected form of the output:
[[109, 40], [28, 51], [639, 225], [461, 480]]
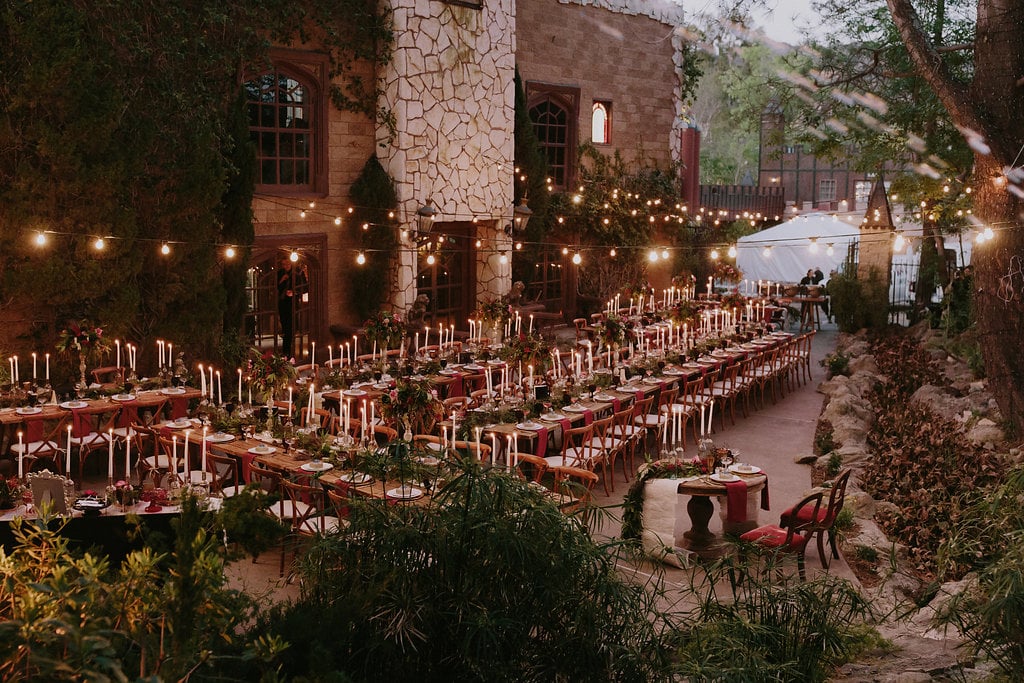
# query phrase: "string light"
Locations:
[[165, 249], [767, 253], [714, 254], [503, 259], [40, 239], [294, 256], [732, 251], [652, 256], [430, 259], [577, 259], [664, 254], [899, 243], [229, 252], [361, 259], [612, 252], [830, 250], [99, 244], [337, 220]]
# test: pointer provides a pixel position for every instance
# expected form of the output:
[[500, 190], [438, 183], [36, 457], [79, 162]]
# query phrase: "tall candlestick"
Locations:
[[186, 456], [494, 447], [202, 381], [170, 356], [34, 366], [211, 382], [220, 394], [312, 352], [203, 451], [47, 368], [110, 456], [21, 456], [174, 455], [67, 460], [239, 385], [128, 455], [289, 401], [330, 355]]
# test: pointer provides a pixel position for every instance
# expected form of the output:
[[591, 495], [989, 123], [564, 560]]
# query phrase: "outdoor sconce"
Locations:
[[425, 221], [521, 215]]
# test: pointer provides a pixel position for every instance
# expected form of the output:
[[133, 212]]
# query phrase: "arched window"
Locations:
[[282, 108], [601, 123]]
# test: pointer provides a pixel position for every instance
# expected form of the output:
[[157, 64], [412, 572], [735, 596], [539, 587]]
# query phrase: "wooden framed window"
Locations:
[[554, 112], [287, 125], [826, 190]]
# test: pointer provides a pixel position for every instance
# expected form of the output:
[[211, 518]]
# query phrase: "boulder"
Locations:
[[806, 459], [985, 433]]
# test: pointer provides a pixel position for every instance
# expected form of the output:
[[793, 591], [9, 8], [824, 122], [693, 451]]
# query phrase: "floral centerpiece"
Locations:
[[497, 312], [684, 280], [385, 329], [633, 503], [684, 311], [268, 372], [84, 340], [727, 271], [612, 330], [733, 300], [529, 349], [10, 492], [412, 404]]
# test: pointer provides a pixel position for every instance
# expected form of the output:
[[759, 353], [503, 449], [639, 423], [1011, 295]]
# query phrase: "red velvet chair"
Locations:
[[825, 519], [794, 535]]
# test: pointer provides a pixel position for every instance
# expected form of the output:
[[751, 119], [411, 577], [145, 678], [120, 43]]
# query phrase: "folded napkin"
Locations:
[[736, 495], [456, 388], [542, 442], [616, 405], [179, 407], [129, 415], [34, 430], [81, 425], [588, 416]]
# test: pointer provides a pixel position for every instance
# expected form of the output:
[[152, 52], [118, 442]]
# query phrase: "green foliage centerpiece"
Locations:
[[412, 405], [612, 331], [84, 340], [268, 373], [495, 313], [528, 349]]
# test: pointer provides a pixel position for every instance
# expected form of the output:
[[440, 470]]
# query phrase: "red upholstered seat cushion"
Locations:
[[805, 514], [773, 536]]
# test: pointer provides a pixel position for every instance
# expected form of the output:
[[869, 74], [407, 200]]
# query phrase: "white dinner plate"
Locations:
[[73, 405], [530, 426], [448, 372], [220, 437], [404, 493], [354, 392], [123, 398], [552, 417], [603, 397], [316, 466], [745, 469], [173, 391], [673, 372], [262, 450], [179, 424], [473, 366], [724, 478], [29, 411], [574, 409], [357, 478]]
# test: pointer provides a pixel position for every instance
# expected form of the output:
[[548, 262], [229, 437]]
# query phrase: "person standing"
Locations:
[[289, 280]]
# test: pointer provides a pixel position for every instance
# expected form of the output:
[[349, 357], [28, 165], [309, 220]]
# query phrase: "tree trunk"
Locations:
[[991, 108]]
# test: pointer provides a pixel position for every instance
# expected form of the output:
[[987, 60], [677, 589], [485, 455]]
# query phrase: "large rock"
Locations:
[[986, 433]]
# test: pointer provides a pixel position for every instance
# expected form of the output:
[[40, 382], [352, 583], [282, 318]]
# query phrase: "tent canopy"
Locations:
[[791, 254]]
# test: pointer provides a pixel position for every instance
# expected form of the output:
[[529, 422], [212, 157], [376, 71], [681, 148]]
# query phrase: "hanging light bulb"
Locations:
[[664, 254], [813, 247], [830, 250], [302, 214], [479, 243], [503, 259], [229, 252], [361, 258], [99, 244], [337, 220], [294, 256], [714, 254], [40, 239], [165, 249], [430, 259], [519, 246], [652, 256], [565, 251], [732, 251], [767, 253], [577, 259], [899, 243], [612, 252]]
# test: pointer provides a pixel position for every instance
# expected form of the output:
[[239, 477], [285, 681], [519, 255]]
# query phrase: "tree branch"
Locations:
[[926, 58]]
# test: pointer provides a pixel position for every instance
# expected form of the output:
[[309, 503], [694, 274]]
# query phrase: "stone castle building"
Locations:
[[602, 70]]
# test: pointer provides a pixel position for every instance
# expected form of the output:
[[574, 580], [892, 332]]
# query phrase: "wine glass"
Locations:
[[443, 362], [592, 388], [729, 457]]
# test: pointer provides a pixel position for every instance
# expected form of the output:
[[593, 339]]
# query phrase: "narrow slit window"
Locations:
[[601, 123]]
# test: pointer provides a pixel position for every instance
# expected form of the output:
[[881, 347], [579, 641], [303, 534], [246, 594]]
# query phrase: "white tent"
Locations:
[[792, 252]]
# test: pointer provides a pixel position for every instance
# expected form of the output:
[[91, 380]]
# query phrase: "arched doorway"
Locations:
[[283, 291]]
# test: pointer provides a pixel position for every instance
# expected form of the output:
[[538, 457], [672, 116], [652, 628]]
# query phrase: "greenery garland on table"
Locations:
[[633, 503]]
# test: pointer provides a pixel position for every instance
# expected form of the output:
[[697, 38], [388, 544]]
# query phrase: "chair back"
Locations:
[[577, 446], [224, 469], [530, 467], [603, 433], [110, 374], [307, 502], [836, 498], [795, 525], [269, 482], [41, 435], [643, 406], [575, 485], [455, 403]]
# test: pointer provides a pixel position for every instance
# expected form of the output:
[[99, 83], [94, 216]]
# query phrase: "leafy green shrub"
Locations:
[[766, 630], [835, 463], [858, 303], [492, 583], [838, 363], [823, 442], [990, 613], [865, 553]]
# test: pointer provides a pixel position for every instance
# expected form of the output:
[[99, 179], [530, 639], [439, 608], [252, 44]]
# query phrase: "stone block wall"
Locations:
[[624, 51]]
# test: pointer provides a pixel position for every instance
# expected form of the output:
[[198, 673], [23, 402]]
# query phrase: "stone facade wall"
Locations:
[[450, 88], [626, 52]]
